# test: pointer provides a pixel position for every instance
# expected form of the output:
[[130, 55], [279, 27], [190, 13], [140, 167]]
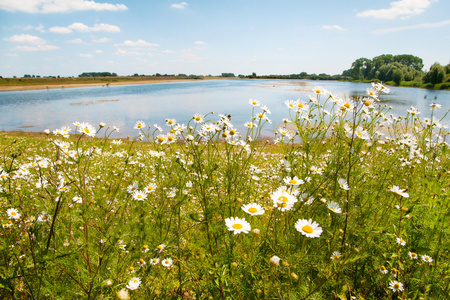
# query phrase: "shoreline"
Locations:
[[5, 88]]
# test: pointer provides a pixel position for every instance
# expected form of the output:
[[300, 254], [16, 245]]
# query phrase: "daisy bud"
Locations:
[[47, 132], [109, 282], [294, 276], [234, 265], [275, 260], [285, 263], [256, 231], [101, 125], [258, 291], [123, 294]]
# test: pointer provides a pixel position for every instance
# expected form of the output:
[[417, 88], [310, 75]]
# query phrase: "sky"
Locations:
[[210, 37]]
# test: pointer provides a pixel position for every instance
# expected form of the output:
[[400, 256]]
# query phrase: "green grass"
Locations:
[[79, 233]]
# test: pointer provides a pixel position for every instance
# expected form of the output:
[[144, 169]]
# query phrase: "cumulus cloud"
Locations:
[[127, 53], [333, 27], [402, 8], [30, 43], [417, 26], [76, 41], [39, 28], [80, 27], [180, 5], [37, 48], [200, 43], [102, 40], [138, 43], [86, 55], [26, 39], [57, 6]]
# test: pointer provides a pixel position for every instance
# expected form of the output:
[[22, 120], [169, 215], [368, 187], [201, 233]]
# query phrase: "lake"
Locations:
[[124, 105]]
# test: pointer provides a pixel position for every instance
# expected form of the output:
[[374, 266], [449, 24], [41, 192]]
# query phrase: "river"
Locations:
[[124, 105]]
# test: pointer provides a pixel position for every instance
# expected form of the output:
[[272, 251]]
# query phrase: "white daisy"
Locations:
[[253, 209], [396, 190], [237, 225], [396, 286], [427, 259], [133, 284], [308, 228], [167, 262], [401, 241], [13, 213], [333, 206]]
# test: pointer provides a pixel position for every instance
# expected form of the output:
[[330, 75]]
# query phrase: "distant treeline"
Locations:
[[397, 68], [302, 75], [97, 74]]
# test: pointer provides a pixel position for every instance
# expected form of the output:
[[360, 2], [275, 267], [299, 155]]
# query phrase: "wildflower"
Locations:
[[308, 228], [396, 286], [318, 90], [13, 213], [150, 188], [336, 255], [139, 125], [198, 118], [66, 243], [394, 272], [435, 105], [283, 200], [109, 282], [133, 284], [427, 259], [396, 190], [254, 102], [401, 241], [274, 260], [170, 122], [123, 294], [343, 184], [43, 217], [333, 206], [160, 248], [237, 225], [140, 196], [413, 255], [154, 261], [171, 193], [293, 181], [167, 262], [117, 142], [253, 209], [383, 270], [87, 129], [77, 199]]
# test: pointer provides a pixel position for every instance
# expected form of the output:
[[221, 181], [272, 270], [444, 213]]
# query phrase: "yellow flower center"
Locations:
[[142, 261], [396, 285], [131, 268], [332, 208], [86, 130], [317, 91], [347, 105], [252, 210], [307, 229], [300, 105], [159, 247], [336, 256], [367, 103], [232, 132], [139, 196], [160, 139], [150, 188], [197, 118], [13, 213], [292, 181], [413, 254], [170, 138], [237, 226], [154, 260], [284, 199], [382, 268]]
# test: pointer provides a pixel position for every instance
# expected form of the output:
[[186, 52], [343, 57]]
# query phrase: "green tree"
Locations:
[[435, 75], [397, 76]]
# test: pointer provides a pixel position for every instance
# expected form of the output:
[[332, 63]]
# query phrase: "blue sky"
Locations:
[[69, 37]]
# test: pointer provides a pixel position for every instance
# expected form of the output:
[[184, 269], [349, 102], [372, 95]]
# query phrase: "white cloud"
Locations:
[[80, 27], [138, 43], [417, 26], [37, 48], [39, 28], [57, 29], [126, 52], [402, 8], [26, 39], [57, 6], [333, 27], [86, 55], [200, 43], [102, 40], [76, 41], [98, 51], [180, 5]]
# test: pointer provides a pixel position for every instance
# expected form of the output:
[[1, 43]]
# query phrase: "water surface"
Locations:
[[124, 105]]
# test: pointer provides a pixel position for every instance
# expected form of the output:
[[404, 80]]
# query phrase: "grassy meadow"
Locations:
[[345, 202]]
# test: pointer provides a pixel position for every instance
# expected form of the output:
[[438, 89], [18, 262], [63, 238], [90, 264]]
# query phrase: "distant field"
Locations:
[[50, 82]]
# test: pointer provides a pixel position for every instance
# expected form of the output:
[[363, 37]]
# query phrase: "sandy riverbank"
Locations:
[[5, 88]]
